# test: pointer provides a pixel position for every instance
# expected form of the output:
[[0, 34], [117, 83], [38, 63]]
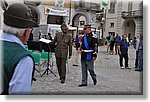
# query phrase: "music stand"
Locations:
[[34, 45], [46, 46]]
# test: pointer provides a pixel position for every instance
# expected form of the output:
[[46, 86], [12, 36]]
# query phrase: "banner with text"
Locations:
[[57, 11]]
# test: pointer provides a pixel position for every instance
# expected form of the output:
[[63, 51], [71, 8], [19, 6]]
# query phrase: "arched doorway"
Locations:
[[129, 28], [80, 19]]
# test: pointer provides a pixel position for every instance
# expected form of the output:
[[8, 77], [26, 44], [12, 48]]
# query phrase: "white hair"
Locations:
[[13, 31]]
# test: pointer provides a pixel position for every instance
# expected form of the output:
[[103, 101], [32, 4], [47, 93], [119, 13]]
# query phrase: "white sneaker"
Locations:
[[121, 67], [127, 68]]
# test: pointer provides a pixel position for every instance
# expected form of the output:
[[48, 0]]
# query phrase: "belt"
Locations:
[[87, 50]]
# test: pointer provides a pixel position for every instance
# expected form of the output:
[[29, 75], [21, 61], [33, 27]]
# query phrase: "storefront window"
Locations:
[[54, 19]]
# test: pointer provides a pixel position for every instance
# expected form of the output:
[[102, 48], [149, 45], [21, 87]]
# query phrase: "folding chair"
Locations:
[[44, 57], [36, 57], [30, 51]]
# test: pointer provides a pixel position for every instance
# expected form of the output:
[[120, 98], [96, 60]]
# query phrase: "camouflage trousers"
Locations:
[[61, 66]]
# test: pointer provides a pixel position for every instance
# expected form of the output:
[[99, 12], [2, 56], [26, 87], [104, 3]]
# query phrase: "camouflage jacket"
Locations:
[[63, 42]]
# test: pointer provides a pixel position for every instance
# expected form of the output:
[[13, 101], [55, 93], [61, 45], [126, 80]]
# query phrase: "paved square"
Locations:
[[111, 79]]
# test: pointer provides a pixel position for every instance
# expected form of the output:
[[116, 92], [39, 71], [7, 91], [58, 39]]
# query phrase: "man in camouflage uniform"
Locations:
[[63, 41]]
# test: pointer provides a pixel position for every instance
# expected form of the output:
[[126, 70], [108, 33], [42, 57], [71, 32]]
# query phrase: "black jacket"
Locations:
[[92, 45]]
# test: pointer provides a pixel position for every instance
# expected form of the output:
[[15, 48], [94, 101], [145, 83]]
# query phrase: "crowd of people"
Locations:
[[18, 74], [120, 46]]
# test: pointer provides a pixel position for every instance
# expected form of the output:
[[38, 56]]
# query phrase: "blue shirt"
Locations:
[[20, 82], [117, 39], [124, 46]]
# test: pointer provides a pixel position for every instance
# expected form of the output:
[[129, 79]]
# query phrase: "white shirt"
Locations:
[[21, 79]]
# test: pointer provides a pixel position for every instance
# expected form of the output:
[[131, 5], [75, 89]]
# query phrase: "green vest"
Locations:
[[12, 54]]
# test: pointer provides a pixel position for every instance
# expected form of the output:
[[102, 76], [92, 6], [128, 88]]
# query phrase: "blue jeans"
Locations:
[[140, 60], [87, 66]]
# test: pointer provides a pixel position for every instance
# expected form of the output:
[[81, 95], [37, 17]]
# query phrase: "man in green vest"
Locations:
[[17, 65]]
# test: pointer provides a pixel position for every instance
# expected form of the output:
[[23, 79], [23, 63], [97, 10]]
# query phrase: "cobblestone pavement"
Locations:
[[111, 79]]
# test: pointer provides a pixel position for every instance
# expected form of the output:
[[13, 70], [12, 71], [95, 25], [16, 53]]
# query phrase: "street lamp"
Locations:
[[102, 25], [69, 13]]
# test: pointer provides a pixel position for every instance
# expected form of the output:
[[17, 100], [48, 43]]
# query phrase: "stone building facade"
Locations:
[[121, 17], [124, 17], [80, 12]]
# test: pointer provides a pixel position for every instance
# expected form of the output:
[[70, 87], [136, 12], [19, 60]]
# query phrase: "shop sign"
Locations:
[[57, 11]]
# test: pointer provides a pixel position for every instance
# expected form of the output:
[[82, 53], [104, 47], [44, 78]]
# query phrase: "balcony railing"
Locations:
[[132, 14], [87, 6]]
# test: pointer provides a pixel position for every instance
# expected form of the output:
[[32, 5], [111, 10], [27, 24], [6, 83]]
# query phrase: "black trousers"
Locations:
[[61, 66], [136, 60], [125, 56]]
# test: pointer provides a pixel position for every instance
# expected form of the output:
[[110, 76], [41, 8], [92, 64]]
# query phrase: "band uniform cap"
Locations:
[[19, 16], [89, 26]]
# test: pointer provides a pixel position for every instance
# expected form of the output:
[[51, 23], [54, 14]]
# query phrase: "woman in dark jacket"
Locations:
[[112, 43]]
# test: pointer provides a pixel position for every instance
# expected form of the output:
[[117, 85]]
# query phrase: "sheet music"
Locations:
[[45, 40]]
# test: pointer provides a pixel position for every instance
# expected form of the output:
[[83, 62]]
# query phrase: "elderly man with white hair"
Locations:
[[17, 65]]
